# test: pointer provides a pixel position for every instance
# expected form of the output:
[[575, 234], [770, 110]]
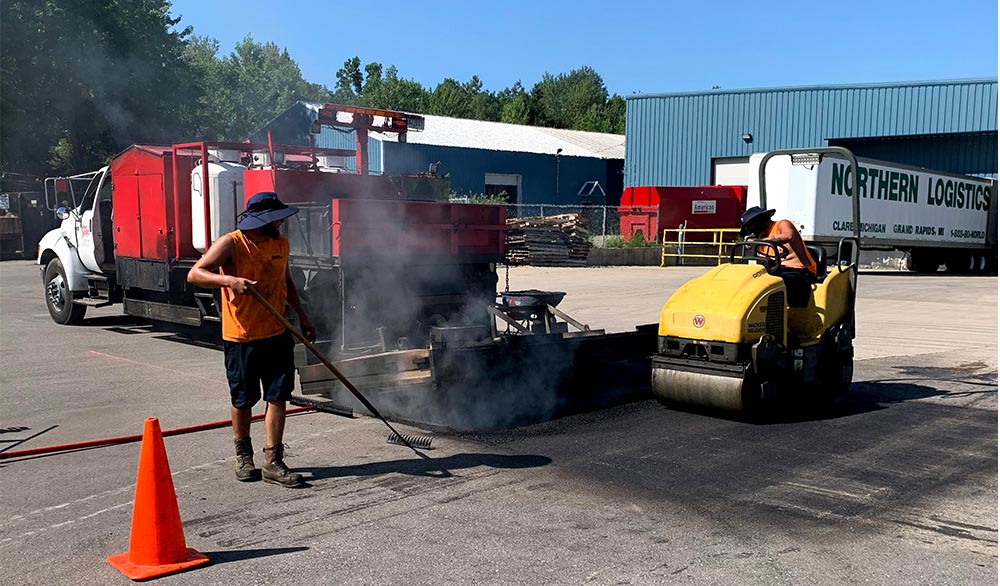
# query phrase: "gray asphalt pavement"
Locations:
[[897, 485]]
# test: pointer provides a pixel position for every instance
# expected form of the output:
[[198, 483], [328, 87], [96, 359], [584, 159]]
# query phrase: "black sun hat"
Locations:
[[262, 209], [752, 214]]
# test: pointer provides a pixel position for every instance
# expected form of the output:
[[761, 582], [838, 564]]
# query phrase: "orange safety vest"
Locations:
[[808, 260], [245, 319]]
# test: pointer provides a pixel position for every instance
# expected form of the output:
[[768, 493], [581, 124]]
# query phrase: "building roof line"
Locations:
[[491, 135], [850, 86]]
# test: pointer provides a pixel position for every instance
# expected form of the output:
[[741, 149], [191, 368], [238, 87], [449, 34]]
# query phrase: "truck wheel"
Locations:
[[981, 264], [960, 263], [922, 261], [58, 297]]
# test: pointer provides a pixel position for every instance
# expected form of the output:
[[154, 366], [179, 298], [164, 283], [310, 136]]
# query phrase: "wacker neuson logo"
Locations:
[[905, 187]]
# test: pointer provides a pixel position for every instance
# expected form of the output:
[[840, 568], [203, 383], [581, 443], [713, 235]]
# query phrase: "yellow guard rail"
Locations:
[[719, 242]]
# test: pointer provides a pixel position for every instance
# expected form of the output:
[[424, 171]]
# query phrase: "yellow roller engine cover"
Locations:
[[730, 303]]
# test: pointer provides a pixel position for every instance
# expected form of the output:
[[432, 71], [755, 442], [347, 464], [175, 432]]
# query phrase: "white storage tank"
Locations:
[[263, 158], [225, 188]]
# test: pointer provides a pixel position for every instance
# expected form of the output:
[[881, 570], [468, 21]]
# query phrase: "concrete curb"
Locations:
[[649, 256]]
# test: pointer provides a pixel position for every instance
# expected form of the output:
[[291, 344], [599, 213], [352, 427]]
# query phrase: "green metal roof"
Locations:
[[842, 86]]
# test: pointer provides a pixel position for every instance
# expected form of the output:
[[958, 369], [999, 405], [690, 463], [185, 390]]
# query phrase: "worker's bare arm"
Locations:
[[786, 231], [205, 272]]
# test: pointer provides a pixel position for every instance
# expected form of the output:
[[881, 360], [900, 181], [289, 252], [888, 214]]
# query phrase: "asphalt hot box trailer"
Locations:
[[935, 217], [401, 284]]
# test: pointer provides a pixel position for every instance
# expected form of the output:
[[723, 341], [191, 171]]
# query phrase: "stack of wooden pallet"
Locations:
[[550, 241]]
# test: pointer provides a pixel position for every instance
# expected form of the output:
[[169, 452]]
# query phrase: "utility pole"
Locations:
[[557, 173]]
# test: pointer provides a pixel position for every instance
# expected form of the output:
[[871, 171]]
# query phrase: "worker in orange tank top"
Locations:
[[798, 269], [258, 348]]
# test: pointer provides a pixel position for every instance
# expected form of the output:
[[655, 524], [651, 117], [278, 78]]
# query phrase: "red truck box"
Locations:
[[407, 229], [144, 215]]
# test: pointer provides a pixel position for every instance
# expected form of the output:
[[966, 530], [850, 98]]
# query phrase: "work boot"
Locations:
[[245, 470], [274, 469]]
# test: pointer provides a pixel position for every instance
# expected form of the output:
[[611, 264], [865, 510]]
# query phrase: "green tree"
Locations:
[[515, 111], [574, 100], [373, 81], [215, 113], [594, 119], [240, 93], [448, 99], [349, 82], [376, 89], [394, 93], [615, 113], [513, 103], [463, 100], [262, 80], [81, 80], [483, 105]]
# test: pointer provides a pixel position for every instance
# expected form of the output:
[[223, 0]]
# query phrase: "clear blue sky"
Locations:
[[637, 46]]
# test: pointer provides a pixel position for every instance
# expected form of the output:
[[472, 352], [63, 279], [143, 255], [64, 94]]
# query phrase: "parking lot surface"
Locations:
[[896, 485]]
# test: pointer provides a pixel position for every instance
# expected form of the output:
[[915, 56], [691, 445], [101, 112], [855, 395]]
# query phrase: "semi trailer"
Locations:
[[936, 218]]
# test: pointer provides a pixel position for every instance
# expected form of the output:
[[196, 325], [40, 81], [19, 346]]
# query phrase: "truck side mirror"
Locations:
[[62, 213]]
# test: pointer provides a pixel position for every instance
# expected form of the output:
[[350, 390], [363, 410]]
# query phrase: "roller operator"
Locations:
[[798, 268]]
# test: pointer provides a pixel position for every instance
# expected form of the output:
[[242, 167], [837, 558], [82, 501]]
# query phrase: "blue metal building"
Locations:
[[700, 138], [531, 165]]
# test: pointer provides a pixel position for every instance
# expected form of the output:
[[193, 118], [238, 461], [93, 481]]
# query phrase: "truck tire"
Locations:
[[980, 264], [923, 261], [960, 263], [58, 298]]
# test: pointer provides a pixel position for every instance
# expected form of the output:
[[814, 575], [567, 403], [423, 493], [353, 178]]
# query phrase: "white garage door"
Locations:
[[506, 184], [730, 171]]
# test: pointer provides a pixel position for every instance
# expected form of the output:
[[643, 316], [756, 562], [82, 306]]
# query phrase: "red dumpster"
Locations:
[[651, 210]]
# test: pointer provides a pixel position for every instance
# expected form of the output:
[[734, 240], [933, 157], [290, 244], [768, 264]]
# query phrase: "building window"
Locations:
[[506, 184]]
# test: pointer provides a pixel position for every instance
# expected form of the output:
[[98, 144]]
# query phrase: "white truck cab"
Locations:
[[69, 256]]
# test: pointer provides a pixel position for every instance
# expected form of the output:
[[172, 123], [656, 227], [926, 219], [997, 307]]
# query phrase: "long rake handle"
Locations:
[[329, 365]]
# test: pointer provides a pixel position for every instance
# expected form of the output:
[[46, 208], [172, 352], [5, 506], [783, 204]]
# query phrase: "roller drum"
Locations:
[[699, 389]]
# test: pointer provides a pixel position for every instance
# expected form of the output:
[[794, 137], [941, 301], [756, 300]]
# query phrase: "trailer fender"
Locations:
[[55, 244]]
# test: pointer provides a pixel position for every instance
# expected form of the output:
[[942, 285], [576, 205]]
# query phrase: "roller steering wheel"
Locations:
[[751, 251]]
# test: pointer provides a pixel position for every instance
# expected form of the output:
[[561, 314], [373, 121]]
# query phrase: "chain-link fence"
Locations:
[[602, 221]]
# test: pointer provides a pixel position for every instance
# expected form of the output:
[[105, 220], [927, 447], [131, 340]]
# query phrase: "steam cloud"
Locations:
[[396, 287]]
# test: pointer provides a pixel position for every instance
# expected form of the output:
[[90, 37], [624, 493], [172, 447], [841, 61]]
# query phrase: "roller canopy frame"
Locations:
[[855, 241], [835, 151]]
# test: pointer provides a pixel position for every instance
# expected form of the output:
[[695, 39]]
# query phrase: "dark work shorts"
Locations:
[[798, 283], [269, 363]]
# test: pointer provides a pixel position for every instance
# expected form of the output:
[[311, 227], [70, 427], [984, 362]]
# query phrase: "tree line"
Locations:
[[80, 81]]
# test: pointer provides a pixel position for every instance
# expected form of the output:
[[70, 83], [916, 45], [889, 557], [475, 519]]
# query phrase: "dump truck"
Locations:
[[401, 284], [935, 217]]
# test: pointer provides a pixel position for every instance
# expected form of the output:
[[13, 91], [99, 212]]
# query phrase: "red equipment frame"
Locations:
[[362, 121]]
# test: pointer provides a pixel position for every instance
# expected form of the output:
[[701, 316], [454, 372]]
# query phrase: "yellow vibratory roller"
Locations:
[[729, 341]]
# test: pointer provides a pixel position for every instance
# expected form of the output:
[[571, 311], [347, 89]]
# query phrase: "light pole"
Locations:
[[557, 173]]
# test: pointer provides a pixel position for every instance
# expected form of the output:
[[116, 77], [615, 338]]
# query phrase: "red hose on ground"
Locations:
[[134, 438]]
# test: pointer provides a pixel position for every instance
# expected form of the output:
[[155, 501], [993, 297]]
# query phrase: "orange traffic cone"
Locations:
[[156, 545]]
